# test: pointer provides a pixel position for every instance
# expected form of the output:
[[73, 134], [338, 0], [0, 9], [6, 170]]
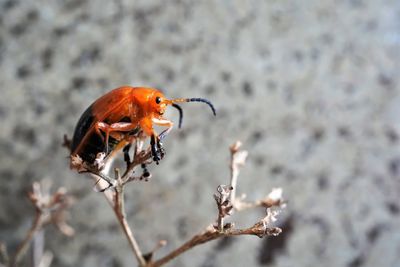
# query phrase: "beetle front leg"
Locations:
[[156, 149], [162, 122], [127, 158], [166, 123]]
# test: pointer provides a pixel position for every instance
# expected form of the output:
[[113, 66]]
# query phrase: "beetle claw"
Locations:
[[157, 150], [158, 155], [160, 149], [146, 175], [99, 162]]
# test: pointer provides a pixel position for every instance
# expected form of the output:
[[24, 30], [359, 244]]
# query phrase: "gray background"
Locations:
[[310, 87]]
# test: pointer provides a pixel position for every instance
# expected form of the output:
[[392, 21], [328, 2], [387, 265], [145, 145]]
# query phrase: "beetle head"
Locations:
[[157, 103]]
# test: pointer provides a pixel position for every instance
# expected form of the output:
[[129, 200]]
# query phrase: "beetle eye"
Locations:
[[158, 100]]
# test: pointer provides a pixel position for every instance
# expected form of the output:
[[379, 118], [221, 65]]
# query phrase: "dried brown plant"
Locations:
[[225, 197], [49, 209]]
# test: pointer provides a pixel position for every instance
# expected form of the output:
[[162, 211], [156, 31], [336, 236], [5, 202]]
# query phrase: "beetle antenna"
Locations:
[[180, 113], [197, 100]]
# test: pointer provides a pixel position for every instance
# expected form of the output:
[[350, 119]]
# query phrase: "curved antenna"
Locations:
[[180, 113], [196, 100]]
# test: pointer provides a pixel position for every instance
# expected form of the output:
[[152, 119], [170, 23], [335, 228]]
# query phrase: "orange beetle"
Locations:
[[123, 112]]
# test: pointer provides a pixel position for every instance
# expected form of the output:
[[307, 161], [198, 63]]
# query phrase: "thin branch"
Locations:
[[238, 159], [48, 209], [119, 209], [37, 248], [113, 189], [225, 199], [259, 229], [224, 205], [36, 197], [273, 199], [23, 247], [46, 260], [149, 256], [4, 254]]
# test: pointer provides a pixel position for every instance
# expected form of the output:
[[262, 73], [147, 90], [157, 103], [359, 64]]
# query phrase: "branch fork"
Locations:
[[225, 199], [49, 209]]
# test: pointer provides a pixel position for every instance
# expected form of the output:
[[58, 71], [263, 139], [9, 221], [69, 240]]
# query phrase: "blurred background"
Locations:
[[311, 88]]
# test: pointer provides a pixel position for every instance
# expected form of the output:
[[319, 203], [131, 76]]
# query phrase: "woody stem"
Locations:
[[119, 209]]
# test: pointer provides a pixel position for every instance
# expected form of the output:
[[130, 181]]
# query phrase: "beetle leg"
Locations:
[[115, 127], [147, 128], [97, 128], [104, 127], [146, 174], [163, 122], [127, 158], [160, 148], [157, 150], [154, 149]]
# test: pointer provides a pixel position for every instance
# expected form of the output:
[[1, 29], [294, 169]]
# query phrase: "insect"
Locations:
[[112, 121]]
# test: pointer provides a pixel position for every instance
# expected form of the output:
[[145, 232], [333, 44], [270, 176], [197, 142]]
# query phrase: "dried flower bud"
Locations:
[[274, 231], [235, 147], [276, 194], [77, 163], [99, 162]]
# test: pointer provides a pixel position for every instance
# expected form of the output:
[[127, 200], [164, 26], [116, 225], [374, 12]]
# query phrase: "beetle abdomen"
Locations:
[[87, 143], [82, 127], [93, 145]]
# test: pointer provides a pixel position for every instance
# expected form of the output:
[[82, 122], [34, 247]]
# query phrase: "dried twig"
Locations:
[[119, 209], [113, 188], [48, 209], [226, 205], [4, 254], [38, 245], [238, 159], [225, 199], [259, 229], [46, 260], [273, 199], [66, 142]]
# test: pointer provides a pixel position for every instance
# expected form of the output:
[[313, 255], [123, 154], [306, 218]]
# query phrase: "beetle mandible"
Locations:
[[125, 111]]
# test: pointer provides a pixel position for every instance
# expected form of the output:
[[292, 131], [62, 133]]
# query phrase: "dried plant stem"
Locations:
[[220, 222], [37, 248], [46, 259], [234, 177], [244, 205], [119, 210], [225, 199], [238, 159], [4, 255], [209, 235], [23, 247], [114, 193], [49, 209]]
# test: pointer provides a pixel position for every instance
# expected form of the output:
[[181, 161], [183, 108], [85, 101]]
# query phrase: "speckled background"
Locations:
[[310, 87]]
